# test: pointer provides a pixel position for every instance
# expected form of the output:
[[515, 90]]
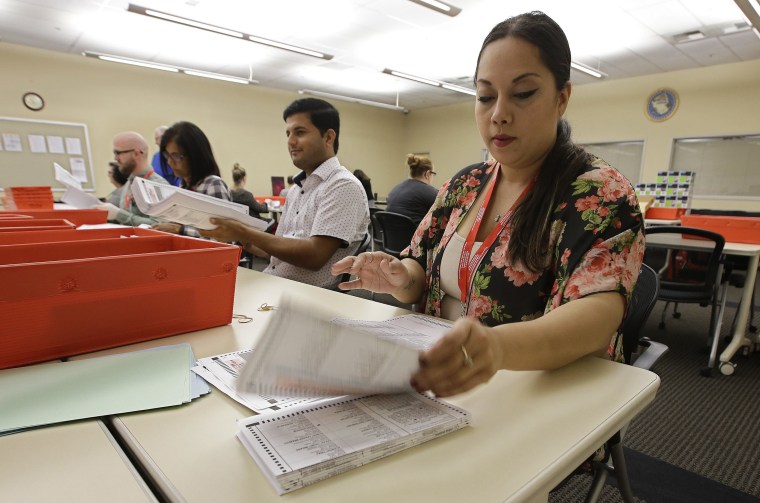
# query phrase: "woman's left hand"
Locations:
[[167, 227], [465, 357]]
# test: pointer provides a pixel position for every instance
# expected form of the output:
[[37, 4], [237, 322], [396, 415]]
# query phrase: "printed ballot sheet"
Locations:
[[305, 352]]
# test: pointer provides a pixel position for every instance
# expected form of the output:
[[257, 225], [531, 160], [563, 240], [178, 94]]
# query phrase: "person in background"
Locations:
[[242, 196], [367, 184], [187, 151], [414, 196], [130, 151], [326, 216], [118, 180], [160, 167], [289, 181], [534, 253]]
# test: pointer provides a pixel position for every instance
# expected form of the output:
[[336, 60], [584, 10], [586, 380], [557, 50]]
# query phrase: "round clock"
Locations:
[[33, 101], [662, 104]]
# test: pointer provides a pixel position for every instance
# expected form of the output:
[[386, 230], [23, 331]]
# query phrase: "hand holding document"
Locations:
[[187, 207], [304, 352], [74, 194]]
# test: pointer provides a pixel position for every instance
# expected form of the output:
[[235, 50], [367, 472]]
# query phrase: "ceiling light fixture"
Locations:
[[430, 82], [587, 70], [168, 68], [351, 99], [751, 11], [437, 6], [225, 31]]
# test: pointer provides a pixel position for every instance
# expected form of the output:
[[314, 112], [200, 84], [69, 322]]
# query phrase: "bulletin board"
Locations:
[[28, 149]]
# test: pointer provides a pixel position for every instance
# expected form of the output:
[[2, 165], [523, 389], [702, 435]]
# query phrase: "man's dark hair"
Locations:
[[322, 114]]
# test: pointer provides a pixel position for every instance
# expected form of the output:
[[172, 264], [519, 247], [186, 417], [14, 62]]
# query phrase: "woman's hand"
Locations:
[[169, 227], [465, 357], [375, 271]]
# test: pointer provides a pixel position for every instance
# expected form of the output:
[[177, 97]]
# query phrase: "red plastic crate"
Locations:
[[665, 213], [77, 217], [34, 224], [734, 229], [92, 291], [28, 198]]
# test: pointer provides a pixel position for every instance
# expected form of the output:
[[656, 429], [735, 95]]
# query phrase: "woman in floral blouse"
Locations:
[[538, 250]]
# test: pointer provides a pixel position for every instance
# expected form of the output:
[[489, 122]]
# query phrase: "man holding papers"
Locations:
[[326, 213], [130, 151]]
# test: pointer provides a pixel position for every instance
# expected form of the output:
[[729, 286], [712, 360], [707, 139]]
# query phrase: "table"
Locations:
[[529, 430], [77, 461], [739, 338]]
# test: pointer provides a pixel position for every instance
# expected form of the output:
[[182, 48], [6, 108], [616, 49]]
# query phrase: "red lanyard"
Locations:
[[467, 263], [128, 195]]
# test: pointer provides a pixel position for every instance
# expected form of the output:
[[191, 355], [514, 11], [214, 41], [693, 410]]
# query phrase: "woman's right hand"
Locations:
[[375, 271]]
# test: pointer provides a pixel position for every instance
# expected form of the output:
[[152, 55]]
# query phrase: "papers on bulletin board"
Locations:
[[78, 169], [51, 393], [73, 146], [12, 142], [37, 144], [55, 145]]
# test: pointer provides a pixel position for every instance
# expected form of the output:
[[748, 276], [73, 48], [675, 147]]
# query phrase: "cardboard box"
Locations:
[[91, 292], [733, 229], [76, 217]]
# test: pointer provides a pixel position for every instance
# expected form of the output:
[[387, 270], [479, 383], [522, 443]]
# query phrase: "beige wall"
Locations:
[[714, 101], [244, 122]]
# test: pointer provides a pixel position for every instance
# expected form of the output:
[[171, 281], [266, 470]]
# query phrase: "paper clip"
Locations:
[[242, 318], [266, 307]]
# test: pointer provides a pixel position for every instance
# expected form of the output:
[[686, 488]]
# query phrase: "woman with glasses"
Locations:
[[414, 196], [188, 153]]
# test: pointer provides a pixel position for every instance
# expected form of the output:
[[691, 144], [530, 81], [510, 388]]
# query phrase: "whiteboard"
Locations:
[[28, 149]]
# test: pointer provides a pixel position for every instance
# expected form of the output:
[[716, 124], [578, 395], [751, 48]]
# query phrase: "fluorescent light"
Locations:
[[438, 6], [167, 68], [218, 76], [751, 11], [353, 100], [585, 69], [225, 31], [288, 47], [133, 62], [430, 82]]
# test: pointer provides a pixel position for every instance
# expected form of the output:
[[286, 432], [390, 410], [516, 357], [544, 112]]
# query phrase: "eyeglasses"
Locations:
[[174, 156], [119, 152], [433, 172]]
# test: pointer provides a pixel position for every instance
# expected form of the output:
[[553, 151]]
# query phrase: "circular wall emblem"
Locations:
[[662, 104]]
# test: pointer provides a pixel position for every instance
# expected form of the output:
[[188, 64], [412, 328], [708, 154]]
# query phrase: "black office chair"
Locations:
[[397, 231], [640, 352], [363, 246], [375, 231], [693, 277]]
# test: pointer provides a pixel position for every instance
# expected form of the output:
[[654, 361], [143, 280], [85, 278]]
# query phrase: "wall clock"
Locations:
[[33, 101], [662, 104]]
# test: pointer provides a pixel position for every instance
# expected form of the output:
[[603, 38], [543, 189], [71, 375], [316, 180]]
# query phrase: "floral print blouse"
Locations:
[[596, 238]]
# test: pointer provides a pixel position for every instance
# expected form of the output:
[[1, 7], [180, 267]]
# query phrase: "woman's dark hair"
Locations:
[[418, 166], [238, 173], [116, 173], [322, 114], [196, 148], [531, 221]]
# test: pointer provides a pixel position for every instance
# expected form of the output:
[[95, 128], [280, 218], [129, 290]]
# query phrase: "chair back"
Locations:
[[642, 301], [374, 229], [397, 231], [687, 275]]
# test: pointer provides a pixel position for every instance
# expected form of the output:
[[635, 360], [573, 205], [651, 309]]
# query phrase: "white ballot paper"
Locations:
[[74, 194], [187, 207], [303, 352]]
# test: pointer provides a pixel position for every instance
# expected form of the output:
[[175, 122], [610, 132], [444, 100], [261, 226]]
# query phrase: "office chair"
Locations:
[[397, 231], [639, 352], [375, 231], [363, 246], [693, 277]]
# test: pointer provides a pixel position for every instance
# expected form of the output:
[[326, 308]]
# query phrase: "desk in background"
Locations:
[[739, 338], [529, 429]]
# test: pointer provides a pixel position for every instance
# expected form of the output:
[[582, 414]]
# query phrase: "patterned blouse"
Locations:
[[213, 186], [596, 239]]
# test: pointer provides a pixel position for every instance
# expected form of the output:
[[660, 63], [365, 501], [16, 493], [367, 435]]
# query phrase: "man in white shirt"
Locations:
[[326, 214]]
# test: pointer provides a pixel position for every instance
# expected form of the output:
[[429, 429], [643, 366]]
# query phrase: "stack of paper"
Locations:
[[187, 207], [65, 391], [74, 195]]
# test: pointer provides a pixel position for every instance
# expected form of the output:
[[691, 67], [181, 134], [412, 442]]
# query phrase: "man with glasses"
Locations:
[[130, 151]]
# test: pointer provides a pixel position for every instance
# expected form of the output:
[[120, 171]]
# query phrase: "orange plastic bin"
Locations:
[[75, 216], [33, 224], [74, 296], [734, 229]]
